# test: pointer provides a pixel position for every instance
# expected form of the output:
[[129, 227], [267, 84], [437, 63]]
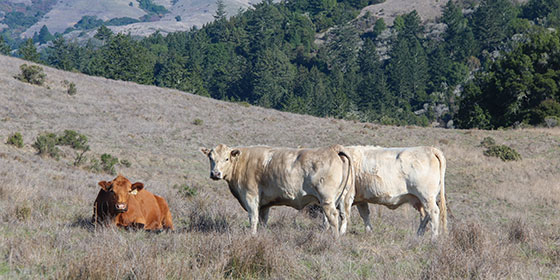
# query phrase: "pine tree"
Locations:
[[28, 51], [492, 22], [458, 36], [103, 33], [221, 13], [44, 35]]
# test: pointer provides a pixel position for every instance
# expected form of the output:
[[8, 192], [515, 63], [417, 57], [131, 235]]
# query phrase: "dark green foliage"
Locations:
[[120, 21], [492, 22], [150, 7], [4, 47], [88, 22], [28, 51], [15, 139], [32, 74], [46, 145], [70, 88], [197, 122], [73, 139], [503, 152], [44, 35], [103, 33]]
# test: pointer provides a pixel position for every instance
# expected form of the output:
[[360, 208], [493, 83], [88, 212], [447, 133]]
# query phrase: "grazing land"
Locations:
[[504, 216]]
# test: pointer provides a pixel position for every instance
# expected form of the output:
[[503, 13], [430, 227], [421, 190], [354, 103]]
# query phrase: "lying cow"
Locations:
[[130, 205], [394, 176], [261, 177]]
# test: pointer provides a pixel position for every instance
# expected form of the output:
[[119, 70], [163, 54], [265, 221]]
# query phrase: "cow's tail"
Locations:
[[349, 180], [442, 206]]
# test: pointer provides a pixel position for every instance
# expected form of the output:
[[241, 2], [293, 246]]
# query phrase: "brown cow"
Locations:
[[130, 205]]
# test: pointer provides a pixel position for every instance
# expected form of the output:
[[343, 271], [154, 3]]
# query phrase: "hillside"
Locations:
[[504, 222], [64, 14]]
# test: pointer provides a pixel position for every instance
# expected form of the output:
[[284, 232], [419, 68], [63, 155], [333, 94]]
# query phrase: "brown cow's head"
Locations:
[[122, 190], [222, 159]]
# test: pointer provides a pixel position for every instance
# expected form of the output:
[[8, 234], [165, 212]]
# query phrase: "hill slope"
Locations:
[[504, 220]]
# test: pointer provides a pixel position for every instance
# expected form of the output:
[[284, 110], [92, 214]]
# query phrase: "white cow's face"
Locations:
[[222, 159]]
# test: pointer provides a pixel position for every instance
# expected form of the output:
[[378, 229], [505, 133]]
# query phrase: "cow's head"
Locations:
[[122, 189], [222, 159]]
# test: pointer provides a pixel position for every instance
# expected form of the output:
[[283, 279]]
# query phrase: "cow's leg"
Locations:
[[363, 209], [253, 210], [263, 215], [433, 212], [332, 215]]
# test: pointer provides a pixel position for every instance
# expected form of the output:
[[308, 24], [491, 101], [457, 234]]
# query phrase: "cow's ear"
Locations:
[[205, 151], [137, 186], [106, 186], [235, 153]]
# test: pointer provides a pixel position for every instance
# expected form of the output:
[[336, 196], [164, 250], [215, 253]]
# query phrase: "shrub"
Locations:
[[197, 122], [32, 74], [46, 145], [15, 139], [488, 142], [70, 87], [503, 152], [185, 191], [125, 163], [23, 212], [108, 163], [73, 139]]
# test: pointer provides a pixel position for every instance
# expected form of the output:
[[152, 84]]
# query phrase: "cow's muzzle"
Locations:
[[121, 207], [215, 175]]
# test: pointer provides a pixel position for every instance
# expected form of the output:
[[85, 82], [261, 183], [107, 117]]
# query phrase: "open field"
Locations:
[[504, 222]]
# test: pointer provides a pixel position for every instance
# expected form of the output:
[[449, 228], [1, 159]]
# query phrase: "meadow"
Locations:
[[504, 219]]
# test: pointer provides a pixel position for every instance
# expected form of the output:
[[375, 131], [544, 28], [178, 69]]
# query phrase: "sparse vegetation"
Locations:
[[108, 163], [70, 87], [32, 74], [46, 145], [185, 191], [15, 139], [126, 163], [488, 142]]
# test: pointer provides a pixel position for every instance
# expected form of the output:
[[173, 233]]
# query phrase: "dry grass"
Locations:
[[504, 222]]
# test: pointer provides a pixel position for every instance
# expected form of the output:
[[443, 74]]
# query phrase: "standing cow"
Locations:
[[394, 176], [130, 205], [261, 177]]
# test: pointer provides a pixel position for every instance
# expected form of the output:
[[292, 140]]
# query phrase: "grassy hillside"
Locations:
[[504, 220]]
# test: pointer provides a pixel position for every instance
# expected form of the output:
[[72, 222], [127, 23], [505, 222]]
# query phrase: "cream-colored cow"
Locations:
[[394, 176], [261, 177]]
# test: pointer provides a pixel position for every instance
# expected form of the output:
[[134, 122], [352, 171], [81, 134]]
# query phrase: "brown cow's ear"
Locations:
[[235, 153], [137, 186], [105, 185], [205, 151]]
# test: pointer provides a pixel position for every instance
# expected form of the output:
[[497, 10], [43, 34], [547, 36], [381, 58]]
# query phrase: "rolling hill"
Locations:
[[504, 220]]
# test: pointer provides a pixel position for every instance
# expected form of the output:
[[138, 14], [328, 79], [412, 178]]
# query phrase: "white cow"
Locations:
[[394, 176], [261, 177]]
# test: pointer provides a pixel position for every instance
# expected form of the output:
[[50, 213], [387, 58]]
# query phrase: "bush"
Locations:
[[552, 121], [70, 87], [73, 139], [197, 122], [23, 212], [32, 74], [125, 163], [15, 139], [46, 145], [108, 163], [503, 152]]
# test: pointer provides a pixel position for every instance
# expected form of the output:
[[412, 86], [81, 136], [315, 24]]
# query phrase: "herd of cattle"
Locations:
[[334, 177]]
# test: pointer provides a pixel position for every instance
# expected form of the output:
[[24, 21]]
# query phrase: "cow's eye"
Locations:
[[227, 159]]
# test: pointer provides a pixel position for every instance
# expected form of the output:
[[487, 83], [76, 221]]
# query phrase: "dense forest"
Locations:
[[485, 64]]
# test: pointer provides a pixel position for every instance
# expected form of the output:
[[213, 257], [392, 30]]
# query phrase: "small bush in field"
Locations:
[[32, 74], [15, 139], [46, 145], [503, 152], [73, 139], [108, 163], [488, 142], [185, 191], [70, 87], [197, 122], [126, 163]]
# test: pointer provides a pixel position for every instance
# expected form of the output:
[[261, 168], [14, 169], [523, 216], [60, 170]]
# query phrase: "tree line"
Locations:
[[485, 64]]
